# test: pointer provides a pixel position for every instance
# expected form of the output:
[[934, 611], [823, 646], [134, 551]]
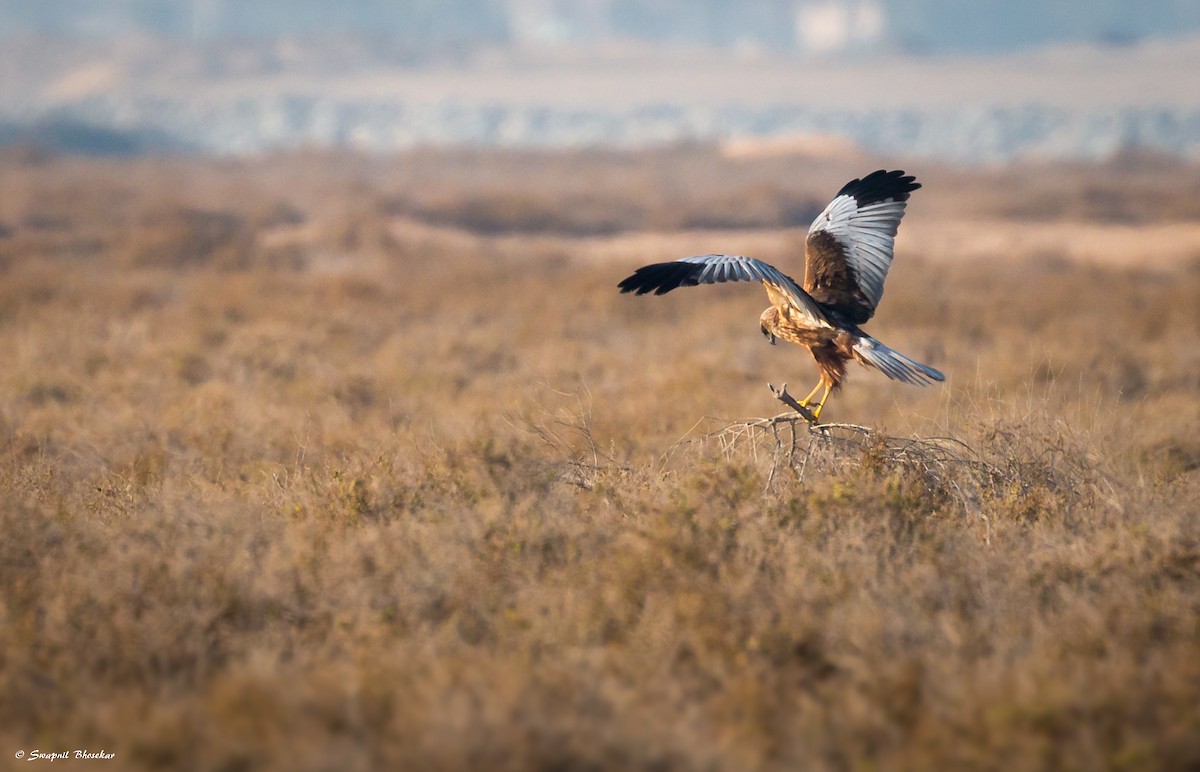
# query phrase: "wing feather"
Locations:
[[850, 244], [661, 278]]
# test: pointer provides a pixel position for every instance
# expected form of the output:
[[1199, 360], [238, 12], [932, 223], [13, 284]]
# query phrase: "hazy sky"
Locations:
[[817, 26]]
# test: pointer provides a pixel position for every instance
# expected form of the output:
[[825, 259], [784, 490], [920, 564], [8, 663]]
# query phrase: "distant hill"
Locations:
[[217, 76]]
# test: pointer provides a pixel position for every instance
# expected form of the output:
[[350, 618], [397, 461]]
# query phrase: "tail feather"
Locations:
[[893, 364]]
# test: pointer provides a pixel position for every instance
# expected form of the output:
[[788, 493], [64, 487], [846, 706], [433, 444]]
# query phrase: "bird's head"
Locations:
[[767, 322]]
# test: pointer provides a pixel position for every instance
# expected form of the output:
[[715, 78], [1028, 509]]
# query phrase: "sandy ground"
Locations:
[[1161, 245], [1171, 244]]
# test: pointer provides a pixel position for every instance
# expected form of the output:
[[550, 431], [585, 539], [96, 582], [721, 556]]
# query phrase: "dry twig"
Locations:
[[796, 444]]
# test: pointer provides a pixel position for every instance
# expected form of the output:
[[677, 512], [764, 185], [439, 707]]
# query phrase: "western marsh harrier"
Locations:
[[847, 256]]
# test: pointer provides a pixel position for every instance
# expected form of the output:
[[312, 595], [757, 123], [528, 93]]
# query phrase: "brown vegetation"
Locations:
[[294, 476]]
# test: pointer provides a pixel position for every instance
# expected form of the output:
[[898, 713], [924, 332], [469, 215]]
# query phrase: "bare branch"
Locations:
[[782, 395]]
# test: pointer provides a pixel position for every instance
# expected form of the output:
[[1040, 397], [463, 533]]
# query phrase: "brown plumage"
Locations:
[[847, 256], [830, 348]]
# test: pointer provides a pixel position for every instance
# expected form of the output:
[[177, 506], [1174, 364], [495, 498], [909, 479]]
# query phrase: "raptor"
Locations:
[[847, 256]]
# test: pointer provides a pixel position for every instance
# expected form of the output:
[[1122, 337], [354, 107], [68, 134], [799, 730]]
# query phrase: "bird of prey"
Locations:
[[847, 256]]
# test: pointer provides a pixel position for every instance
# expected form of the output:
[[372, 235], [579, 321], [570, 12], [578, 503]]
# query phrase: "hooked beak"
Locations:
[[770, 336]]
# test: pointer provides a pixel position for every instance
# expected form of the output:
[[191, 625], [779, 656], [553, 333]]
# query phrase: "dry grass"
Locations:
[[289, 483]]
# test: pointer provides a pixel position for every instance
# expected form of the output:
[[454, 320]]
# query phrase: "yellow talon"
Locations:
[[820, 405], [811, 394]]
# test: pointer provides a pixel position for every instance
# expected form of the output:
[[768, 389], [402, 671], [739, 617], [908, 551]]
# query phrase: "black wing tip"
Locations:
[[660, 278], [638, 287], [881, 185], [630, 284]]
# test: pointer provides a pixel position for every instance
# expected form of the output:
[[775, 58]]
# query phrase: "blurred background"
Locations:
[[328, 443], [965, 82]]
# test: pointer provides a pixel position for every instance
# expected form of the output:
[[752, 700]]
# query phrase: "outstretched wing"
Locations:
[[849, 248], [661, 278]]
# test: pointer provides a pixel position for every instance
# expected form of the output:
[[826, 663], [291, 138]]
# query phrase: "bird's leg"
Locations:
[[817, 413], [812, 393]]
